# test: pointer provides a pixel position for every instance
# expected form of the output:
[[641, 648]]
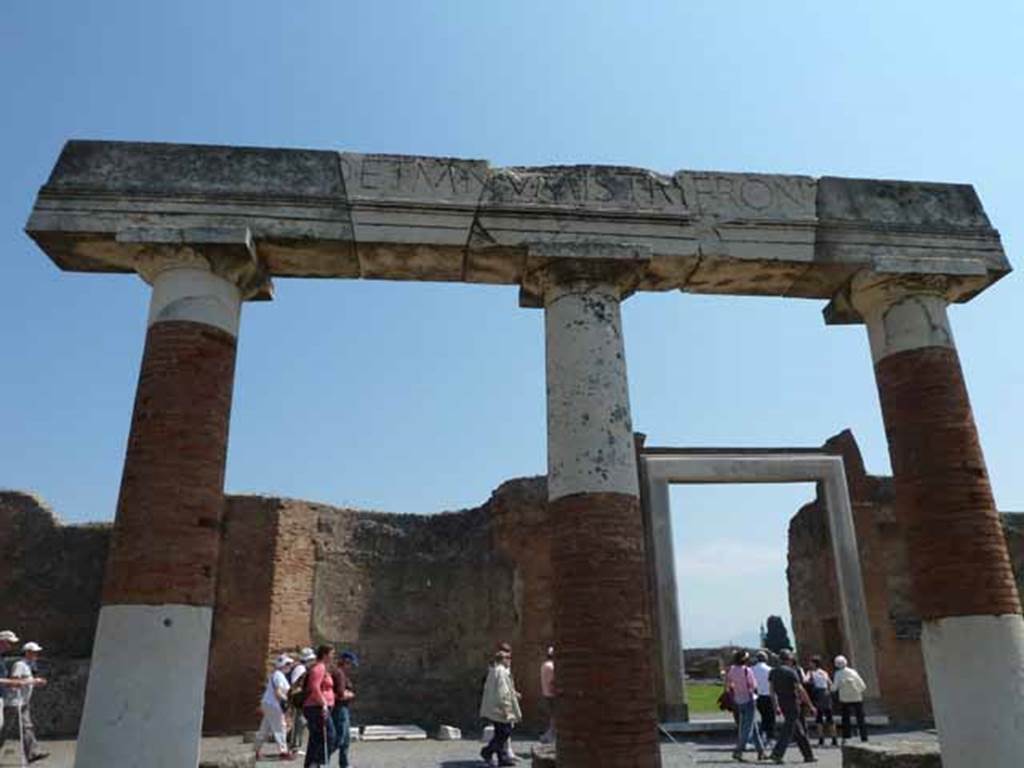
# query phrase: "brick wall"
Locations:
[[51, 575], [424, 600], [241, 620], [882, 544]]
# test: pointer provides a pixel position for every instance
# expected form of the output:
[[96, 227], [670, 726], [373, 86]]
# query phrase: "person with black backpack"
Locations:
[[296, 698]]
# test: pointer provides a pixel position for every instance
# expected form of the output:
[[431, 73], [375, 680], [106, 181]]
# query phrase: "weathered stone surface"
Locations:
[[392, 733], [434, 218], [423, 599], [904, 754], [895, 619], [52, 575], [448, 733], [543, 756]]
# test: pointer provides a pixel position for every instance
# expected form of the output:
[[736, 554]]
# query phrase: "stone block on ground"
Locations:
[[393, 733], [543, 756], [893, 754], [448, 733]]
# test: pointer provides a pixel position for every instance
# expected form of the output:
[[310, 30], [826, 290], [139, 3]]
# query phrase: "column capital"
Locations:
[[228, 252], [901, 312], [557, 268], [871, 292]]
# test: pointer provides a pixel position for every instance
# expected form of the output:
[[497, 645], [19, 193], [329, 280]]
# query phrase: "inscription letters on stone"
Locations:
[[592, 187], [750, 195], [411, 177]]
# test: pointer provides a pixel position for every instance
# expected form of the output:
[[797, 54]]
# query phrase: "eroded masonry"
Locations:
[[209, 227]]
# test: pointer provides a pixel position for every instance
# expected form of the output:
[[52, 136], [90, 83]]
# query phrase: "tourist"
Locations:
[[821, 696], [740, 682], [274, 706], [500, 705], [19, 699], [850, 687], [343, 695], [7, 683], [547, 692], [765, 707], [788, 692], [317, 709], [297, 698]]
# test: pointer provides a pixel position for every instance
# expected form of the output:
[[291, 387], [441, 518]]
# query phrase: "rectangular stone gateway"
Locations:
[[397, 217]]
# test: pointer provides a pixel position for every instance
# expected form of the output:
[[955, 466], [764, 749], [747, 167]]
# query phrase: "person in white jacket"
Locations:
[[850, 687], [500, 705], [274, 705]]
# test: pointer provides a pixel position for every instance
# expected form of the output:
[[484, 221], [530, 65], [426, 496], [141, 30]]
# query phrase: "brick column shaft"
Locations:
[[972, 634], [144, 701], [167, 531], [607, 712], [959, 563]]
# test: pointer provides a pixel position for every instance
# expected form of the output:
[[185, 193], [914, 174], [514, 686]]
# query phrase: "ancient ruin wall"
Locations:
[[425, 600], [422, 599], [51, 580], [896, 626]]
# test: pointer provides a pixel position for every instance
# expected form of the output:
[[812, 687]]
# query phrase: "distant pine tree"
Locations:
[[776, 637]]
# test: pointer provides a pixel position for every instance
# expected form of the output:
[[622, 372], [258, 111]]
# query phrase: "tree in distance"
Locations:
[[776, 637]]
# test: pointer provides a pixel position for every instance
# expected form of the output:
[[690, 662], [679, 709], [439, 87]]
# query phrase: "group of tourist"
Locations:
[[311, 694], [17, 682], [499, 704], [788, 690]]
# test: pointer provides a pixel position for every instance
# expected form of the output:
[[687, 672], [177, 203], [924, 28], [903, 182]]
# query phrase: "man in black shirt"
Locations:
[[788, 694]]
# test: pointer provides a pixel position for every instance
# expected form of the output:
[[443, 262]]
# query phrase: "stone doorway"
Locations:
[[661, 467]]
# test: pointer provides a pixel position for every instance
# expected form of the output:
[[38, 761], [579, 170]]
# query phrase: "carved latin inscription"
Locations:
[[407, 177], [749, 196], [589, 187]]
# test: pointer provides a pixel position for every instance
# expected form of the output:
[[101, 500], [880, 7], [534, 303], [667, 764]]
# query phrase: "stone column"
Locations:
[[972, 631], [144, 702], [607, 713]]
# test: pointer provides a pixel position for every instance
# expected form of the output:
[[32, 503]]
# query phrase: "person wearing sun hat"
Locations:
[[274, 705], [7, 641], [24, 671], [297, 678]]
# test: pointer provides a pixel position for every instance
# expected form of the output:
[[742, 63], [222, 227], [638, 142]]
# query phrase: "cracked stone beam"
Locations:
[[346, 215]]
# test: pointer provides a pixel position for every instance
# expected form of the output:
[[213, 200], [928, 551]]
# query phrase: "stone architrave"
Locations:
[[972, 633], [607, 712], [144, 701]]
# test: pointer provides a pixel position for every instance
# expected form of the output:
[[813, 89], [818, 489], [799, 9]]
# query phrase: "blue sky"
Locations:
[[411, 397]]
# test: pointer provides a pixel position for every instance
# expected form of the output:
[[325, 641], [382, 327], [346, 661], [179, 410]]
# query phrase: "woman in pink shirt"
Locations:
[[740, 681], [317, 709]]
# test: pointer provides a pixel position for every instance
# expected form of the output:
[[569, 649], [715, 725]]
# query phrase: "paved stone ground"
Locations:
[[230, 751]]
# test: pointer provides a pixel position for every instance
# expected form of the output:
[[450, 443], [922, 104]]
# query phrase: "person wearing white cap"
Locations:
[[297, 678], [7, 683], [19, 699], [274, 705]]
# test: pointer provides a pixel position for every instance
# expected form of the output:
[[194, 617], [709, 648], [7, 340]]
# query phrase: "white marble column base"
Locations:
[[144, 701], [976, 676]]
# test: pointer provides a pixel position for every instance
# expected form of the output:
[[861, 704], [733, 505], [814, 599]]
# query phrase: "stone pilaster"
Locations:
[[607, 713], [144, 702], [973, 632]]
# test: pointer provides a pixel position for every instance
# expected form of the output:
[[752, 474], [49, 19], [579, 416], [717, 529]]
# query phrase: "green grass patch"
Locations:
[[703, 697]]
